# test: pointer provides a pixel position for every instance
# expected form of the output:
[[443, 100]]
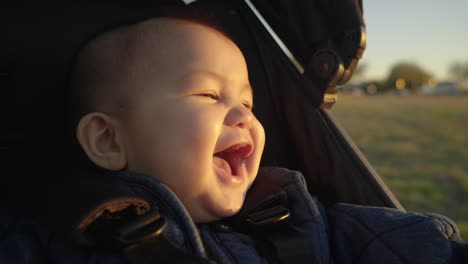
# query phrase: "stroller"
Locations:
[[296, 54]]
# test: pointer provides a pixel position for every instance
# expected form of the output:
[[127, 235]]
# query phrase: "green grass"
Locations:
[[418, 145]]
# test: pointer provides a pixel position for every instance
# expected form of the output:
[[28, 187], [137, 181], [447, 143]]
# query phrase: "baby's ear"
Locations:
[[100, 137]]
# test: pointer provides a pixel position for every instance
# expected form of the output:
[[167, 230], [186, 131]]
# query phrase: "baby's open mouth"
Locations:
[[230, 161]]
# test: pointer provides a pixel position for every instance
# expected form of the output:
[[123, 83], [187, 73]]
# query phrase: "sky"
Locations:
[[431, 33]]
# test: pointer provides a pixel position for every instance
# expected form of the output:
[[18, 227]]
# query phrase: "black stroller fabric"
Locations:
[[36, 54]]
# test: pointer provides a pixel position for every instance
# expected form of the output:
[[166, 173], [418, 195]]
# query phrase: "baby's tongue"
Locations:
[[222, 168]]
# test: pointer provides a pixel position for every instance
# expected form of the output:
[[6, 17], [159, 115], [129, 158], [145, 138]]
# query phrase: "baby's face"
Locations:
[[189, 122]]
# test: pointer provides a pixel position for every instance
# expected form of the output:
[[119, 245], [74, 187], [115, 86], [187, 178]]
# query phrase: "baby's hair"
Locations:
[[101, 62]]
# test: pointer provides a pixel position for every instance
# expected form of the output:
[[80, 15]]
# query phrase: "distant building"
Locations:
[[360, 88], [351, 89], [442, 88]]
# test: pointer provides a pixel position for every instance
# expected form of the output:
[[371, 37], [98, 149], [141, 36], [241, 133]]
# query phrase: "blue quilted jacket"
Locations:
[[343, 233]]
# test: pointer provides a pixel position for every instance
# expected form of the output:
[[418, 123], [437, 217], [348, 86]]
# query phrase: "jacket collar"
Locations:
[[181, 230]]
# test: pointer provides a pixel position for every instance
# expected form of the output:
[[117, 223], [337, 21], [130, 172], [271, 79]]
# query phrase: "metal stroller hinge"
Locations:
[[342, 74], [329, 98]]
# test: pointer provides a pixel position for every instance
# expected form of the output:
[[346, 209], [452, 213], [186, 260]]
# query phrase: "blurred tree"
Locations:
[[459, 71], [406, 75]]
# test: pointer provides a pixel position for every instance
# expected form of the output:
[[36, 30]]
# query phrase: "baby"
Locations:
[[170, 98], [165, 108]]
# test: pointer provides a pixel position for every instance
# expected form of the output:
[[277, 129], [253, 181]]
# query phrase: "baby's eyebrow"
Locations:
[[208, 74]]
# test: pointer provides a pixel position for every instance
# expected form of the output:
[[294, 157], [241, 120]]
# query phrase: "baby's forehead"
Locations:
[[158, 41], [159, 34], [131, 38]]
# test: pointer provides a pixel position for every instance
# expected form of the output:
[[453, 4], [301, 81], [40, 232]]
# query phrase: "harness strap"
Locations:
[[278, 241], [140, 240], [285, 246], [138, 237], [159, 250], [459, 252], [265, 216]]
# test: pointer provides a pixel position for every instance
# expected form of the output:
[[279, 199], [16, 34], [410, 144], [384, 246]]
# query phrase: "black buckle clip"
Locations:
[[268, 216], [142, 228]]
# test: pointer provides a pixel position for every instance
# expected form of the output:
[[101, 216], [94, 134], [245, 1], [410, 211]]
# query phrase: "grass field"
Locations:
[[418, 145]]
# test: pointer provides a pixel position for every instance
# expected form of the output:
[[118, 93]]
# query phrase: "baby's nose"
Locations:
[[240, 117]]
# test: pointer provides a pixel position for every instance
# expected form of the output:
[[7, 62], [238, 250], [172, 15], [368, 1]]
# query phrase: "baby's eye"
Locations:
[[211, 95], [248, 105]]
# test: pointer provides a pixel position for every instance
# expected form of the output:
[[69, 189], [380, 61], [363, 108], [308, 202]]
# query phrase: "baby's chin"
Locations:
[[216, 209]]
